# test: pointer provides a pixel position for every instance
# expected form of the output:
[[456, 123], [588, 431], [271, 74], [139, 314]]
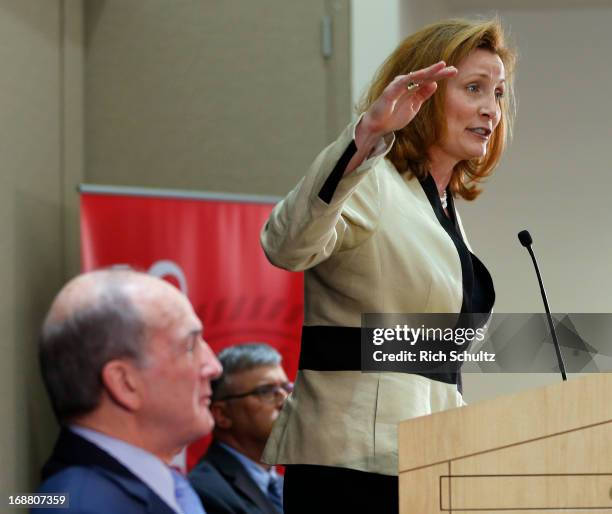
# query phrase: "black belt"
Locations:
[[329, 348]]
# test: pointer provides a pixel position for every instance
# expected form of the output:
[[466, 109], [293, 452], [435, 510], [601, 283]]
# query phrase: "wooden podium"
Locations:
[[547, 450]]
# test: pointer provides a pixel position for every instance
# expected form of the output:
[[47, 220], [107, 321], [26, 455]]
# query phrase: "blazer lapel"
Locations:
[[233, 470], [72, 450]]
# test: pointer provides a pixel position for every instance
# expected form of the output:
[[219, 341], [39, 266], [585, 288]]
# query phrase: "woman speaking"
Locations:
[[374, 225]]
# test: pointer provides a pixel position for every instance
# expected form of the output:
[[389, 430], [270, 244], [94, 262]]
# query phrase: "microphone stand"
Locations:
[[548, 316]]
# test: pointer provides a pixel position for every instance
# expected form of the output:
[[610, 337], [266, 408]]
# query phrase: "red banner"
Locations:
[[209, 248]]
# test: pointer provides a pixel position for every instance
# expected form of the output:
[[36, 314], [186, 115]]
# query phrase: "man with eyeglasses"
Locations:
[[247, 399]]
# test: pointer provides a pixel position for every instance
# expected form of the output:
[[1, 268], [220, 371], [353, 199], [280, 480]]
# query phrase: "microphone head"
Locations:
[[525, 238]]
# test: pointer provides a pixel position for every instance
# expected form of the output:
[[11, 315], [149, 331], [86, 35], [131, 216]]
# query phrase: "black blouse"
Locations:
[[478, 290]]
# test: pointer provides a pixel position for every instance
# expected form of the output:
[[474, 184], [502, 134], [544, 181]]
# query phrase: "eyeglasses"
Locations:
[[268, 393]]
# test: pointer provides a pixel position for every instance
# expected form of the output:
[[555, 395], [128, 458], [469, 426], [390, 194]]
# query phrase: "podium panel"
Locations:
[[560, 461], [525, 492]]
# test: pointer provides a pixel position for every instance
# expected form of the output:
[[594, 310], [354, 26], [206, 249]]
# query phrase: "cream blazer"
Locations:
[[377, 246]]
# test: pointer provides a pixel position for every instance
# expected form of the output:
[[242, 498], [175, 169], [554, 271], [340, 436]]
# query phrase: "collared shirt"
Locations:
[[146, 466], [259, 474]]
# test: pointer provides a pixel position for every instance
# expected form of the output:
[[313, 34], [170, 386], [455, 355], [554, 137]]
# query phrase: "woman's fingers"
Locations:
[[404, 96], [415, 80], [436, 71], [439, 73], [426, 90], [426, 73]]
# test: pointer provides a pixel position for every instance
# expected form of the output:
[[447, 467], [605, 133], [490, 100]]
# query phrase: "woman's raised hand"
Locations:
[[397, 106], [401, 100]]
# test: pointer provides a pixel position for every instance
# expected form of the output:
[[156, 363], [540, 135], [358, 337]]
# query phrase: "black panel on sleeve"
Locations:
[[329, 188]]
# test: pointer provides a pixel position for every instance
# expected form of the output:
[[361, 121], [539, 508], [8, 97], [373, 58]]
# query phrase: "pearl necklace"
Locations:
[[443, 200]]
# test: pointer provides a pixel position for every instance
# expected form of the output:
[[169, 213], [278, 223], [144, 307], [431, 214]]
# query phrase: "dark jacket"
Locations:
[[96, 482], [225, 487]]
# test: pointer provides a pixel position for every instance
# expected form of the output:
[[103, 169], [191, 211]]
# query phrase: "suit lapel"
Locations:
[[72, 450], [235, 473]]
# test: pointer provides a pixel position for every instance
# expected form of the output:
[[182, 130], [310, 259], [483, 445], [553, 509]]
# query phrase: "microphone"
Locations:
[[526, 240]]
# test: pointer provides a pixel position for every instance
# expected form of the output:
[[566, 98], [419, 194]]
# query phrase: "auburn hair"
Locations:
[[449, 41]]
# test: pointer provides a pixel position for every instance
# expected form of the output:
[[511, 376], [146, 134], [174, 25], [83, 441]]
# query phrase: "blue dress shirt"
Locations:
[[146, 466]]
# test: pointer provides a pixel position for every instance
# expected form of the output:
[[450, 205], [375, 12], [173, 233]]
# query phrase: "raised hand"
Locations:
[[401, 100]]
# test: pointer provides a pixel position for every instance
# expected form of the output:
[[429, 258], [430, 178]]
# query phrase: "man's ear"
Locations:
[[121, 379], [220, 412]]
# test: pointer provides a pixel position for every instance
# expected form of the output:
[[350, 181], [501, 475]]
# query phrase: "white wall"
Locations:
[[375, 32], [378, 27]]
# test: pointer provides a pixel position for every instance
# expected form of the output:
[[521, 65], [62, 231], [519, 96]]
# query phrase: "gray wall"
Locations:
[[41, 154], [229, 96]]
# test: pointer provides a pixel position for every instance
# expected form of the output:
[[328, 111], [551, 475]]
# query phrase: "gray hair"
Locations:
[[243, 357], [74, 350]]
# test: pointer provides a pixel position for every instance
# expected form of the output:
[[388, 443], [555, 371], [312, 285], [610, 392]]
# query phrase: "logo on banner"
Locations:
[[164, 269]]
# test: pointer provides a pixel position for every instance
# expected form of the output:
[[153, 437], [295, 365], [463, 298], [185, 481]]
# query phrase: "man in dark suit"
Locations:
[[128, 375], [247, 398]]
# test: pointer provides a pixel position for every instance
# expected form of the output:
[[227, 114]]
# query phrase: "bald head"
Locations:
[[97, 287], [95, 318]]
